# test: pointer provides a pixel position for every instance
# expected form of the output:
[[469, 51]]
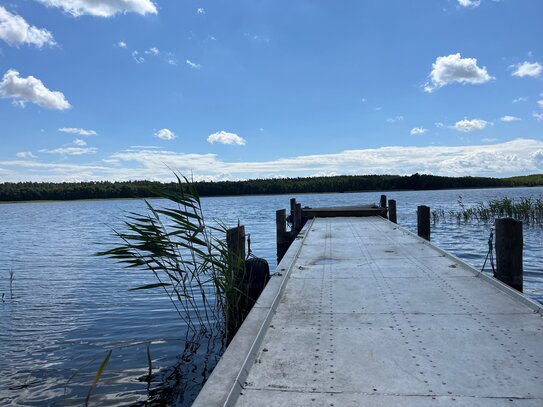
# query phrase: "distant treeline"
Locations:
[[28, 191]]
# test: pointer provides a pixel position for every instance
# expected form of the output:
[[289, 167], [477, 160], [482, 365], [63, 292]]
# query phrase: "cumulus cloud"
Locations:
[[455, 69], [165, 134], [153, 51], [224, 137], [192, 64], [30, 89], [418, 130], [102, 8], [469, 3], [538, 116], [200, 10], [466, 126], [77, 130], [508, 118], [122, 44], [16, 31], [531, 69], [540, 103], [25, 155]]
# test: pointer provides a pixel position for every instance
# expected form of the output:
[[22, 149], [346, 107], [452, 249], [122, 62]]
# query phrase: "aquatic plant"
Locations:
[[526, 209], [189, 262]]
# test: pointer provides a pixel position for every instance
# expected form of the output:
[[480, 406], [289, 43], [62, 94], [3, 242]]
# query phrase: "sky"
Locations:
[[216, 90]]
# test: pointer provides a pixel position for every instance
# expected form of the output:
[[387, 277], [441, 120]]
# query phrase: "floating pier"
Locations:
[[361, 312]]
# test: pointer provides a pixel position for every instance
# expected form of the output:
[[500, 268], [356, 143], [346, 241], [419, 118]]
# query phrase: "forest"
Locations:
[[31, 191]]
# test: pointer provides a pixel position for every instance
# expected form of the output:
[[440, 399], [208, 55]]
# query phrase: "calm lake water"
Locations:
[[67, 308]]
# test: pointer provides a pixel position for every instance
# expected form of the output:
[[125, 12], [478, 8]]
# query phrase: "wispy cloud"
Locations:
[[508, 118], [15, 31], [77, 130], [224, 137], [455, 69], [395, 119], [520, 99], [70, 150], [415, 131], [137, 57], [102, 8], [30, 90], [122, 44], [200, 10], [25, 155], [469, 3], [152, 51], [193, 65]]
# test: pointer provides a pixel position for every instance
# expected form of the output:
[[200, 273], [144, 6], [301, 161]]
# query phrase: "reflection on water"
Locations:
[[69, 307]]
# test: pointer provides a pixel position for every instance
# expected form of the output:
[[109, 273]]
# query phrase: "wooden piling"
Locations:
[[292, 209], [392, 211], [423, 221], [235, 241], [509, 243], [282, 239], [297, 219], [383, 204]]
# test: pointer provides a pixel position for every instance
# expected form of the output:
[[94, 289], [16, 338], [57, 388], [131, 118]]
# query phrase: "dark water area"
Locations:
[[66, 307]]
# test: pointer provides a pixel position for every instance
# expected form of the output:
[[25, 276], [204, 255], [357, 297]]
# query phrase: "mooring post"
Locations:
[[297, 222], [282, 239], [235, 241], [509, 243], [423, 221], [383, 204], [292, 209], [392, 211]]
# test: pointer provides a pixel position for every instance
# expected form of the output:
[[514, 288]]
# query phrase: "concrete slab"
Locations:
[[368, 314]]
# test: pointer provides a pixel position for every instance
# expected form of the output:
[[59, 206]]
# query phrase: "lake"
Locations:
[[66, 307]]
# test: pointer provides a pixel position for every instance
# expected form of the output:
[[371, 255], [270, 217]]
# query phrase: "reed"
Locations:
[[527, 209], [188, 258]]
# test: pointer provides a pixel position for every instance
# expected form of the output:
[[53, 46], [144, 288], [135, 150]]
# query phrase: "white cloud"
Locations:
[[153, 51], [165, 134], [103, 8], [540, 103], [395, 119], [439, 125], [418, 130], [508, 118], [121, 44], [520, 99], [455, 69], [30, 89], [200, 10], [16, 31], [77, 130], [538, 116], [71, 150], [78, 142], [466, 126], [526, 68], [25, 154], [137, 57], [224, 137], [502, 159], [469, 3], [192, 64]]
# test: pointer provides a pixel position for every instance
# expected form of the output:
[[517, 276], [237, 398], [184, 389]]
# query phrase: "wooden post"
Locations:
[[292, 209], [383, 204], [392, 211], [297, 220], [509, 243], [282, 239], [235, 241], [423, 221]]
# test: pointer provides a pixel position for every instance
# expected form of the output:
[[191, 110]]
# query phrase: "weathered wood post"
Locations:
[[423, 221], [383, 204], [392, 211], [235, 241], [509, 243], [282, 239], [292, 209], [297, 220]]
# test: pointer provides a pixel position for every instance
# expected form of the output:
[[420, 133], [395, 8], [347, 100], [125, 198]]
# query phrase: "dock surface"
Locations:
[[365, 313]]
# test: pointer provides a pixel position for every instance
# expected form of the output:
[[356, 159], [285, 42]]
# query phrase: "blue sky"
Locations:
[[109, 89]]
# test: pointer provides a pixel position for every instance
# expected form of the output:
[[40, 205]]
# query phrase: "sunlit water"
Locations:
[[67, 307]]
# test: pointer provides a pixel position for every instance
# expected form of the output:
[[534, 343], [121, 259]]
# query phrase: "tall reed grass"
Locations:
[[527, 209], [188, 258]]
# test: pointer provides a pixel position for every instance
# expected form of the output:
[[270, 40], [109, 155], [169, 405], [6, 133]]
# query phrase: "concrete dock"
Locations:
[[363, 313]]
